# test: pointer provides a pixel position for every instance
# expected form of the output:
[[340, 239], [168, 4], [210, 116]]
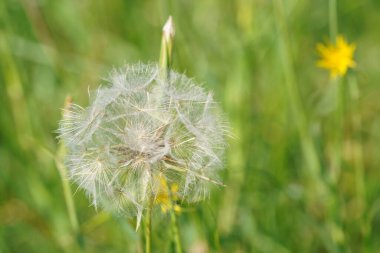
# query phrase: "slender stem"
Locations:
[[166, 60], [148, 228], [337, 138], [68, 196], [174, 225], [357, 154], [58, 158], [67, 193], [357, 126], [299, 115], [338, 126], [333, 19], [338, 117]]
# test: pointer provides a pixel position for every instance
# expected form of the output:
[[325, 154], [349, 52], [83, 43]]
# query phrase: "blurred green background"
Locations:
[[302, 173]]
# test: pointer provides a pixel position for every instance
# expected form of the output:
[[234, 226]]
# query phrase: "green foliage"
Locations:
[[259, 59]]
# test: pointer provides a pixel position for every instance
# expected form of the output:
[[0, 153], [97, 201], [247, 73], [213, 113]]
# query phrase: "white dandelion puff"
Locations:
[[139, 130]]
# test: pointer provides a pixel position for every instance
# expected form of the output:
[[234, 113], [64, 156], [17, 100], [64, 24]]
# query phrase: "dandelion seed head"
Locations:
[[139, 131]]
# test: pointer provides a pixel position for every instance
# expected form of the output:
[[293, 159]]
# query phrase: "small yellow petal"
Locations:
[[174, 188], [177, 208], [336, 58], [166, 196]]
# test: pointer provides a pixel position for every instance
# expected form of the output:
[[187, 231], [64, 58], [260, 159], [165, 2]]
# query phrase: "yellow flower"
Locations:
[[167, 196], [336, 57]]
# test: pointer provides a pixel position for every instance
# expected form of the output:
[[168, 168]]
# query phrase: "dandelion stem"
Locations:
[[357, 154], [165, 64], [333, 20], [307, 143], [174, 223], [68, 196], [66, 186], [338, 117], [148, 227], [166, 60], [337, 139], [357, 126], [175, 229]]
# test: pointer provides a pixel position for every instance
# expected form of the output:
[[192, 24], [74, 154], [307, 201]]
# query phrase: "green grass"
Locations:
[[285, 192]]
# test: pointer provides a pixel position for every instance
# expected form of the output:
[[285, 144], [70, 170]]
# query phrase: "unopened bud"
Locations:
[[169, 29]]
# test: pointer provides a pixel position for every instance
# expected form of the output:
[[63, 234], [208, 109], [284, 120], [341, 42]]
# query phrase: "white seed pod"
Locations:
[[138, 129]]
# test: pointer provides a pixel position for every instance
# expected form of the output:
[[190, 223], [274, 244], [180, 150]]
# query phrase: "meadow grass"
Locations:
[[301, 173]]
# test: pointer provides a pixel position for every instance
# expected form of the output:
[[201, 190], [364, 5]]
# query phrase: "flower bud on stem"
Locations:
[[167, 41], [165, 63]]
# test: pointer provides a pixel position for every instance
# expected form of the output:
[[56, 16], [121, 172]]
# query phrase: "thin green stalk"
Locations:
[[174, 223], [148, 228], [335, 206], [333, 19], [166, 60], [337, 138], [357, 153], [336, 161], [67, 193], [175, 230], [357, 126], [299, 116]]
